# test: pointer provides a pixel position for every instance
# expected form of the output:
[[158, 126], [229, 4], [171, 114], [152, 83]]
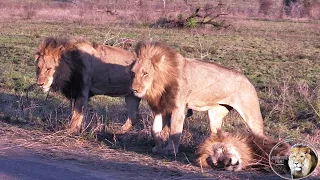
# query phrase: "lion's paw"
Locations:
[[74, 131], [157, 150]]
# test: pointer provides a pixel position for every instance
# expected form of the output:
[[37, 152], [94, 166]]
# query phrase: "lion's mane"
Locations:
[[68, 75], [162, 94], [253, 149]]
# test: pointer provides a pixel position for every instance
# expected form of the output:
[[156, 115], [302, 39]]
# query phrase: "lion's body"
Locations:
[[302, 161], [237, 151], [172, 83], [80, 70]]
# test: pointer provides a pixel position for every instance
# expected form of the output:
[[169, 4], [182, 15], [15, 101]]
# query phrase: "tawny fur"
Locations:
[[171, 84], [162, 94], [253, 150], [80, 69]]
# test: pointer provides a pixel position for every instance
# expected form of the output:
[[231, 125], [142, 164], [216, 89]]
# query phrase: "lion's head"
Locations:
[[156, 72], [301, 161], [55, 66], [226, 156], [225, 151], [47, 59]]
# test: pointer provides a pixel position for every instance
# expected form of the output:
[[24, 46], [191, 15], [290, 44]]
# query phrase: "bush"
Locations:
[[192, 22], [265, 6], [30, 10]]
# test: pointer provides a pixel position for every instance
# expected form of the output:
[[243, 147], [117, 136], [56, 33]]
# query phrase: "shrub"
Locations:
[[192, 22], [265, 6]]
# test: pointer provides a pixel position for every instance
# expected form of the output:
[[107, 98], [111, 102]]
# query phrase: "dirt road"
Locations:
[[34, 155], [33, 167]]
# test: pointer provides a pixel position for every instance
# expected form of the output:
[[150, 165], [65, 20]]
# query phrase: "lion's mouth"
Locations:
[[45, 89], [297, 168], [140, 94]]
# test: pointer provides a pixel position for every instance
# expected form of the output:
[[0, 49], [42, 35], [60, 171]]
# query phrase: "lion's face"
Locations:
[[299, 157], [142, 74], [46, 67], [227, 157]]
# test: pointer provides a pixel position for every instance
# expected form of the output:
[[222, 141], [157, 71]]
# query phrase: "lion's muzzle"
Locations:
[[297, 166], [44, 84]]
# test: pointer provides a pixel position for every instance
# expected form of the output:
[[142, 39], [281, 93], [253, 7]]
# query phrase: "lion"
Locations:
[[171, 84], [237, 151], [80, 70], [302, 161]]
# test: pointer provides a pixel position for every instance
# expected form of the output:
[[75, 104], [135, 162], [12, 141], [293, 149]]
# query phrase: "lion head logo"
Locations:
[[302, 161]]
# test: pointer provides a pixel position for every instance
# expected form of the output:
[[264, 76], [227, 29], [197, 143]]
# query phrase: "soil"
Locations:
[[32, 154]]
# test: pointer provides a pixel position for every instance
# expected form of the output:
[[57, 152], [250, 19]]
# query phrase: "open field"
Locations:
[[281, 57]]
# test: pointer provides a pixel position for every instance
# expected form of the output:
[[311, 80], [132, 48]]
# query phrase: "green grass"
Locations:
[[281, 58]]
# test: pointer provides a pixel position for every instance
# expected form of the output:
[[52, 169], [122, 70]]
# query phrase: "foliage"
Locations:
[[191, 22]]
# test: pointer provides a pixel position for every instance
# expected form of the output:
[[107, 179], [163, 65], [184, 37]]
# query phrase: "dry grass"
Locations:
[[146, 12]]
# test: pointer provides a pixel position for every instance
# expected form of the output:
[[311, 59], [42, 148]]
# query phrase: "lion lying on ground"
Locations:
[[81, 70], [238, 151], [302, 161], [171, 84]]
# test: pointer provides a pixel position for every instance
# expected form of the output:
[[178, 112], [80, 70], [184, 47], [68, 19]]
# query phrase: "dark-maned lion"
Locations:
[[237, 151], [81, 70], [171, 84]]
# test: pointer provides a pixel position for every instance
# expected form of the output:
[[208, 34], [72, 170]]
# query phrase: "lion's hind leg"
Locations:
[[216, 115], [249, 109]]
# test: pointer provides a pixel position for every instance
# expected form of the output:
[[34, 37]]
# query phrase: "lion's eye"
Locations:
[[48, 69], [145, 74]]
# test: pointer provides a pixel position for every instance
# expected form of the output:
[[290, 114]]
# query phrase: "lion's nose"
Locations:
[[40, 83], [134, 90]]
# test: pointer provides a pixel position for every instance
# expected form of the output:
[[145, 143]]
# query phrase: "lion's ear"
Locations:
[[307, 150], [128, 68], [292, 150], [58, 50], [159, 61]]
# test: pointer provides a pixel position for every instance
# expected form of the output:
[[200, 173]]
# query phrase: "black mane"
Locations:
[[68, 77]]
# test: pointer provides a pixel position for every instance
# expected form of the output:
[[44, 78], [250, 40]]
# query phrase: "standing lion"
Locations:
[[81, 70], [171, 84]]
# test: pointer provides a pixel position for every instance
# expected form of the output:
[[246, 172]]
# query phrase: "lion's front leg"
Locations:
[[132, 103], [176, 127], [77, 112], [156, 132], [159, 122]]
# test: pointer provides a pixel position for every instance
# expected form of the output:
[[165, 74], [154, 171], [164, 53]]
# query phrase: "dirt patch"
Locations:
[[59, 156]]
